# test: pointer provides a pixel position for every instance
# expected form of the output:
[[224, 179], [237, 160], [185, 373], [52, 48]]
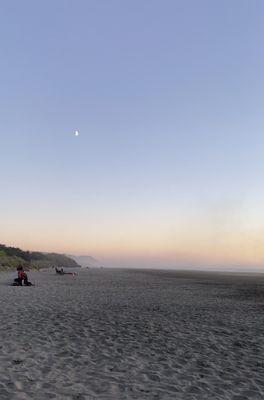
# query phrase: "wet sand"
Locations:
[[131, 334]]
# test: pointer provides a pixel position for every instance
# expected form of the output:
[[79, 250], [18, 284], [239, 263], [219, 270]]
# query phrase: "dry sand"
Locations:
[[130, 334]]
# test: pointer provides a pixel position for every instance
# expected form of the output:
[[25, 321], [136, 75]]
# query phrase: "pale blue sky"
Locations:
[[168, 99]]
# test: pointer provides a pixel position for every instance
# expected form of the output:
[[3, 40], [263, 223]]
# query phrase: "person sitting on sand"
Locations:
[[22, 276]]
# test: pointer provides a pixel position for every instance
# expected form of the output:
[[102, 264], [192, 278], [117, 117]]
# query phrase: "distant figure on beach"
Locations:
[[21, 276], [59, 271]]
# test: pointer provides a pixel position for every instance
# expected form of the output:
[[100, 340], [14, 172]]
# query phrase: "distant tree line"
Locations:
[[16, 252], [33, 258]]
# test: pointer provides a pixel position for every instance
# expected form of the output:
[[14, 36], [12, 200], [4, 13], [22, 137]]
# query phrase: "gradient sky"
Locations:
[[168, 97]]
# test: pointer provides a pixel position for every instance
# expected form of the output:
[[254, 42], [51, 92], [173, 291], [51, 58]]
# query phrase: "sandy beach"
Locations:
[[131, 334]]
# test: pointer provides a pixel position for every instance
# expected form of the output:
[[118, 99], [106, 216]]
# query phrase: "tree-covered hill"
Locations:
[[11, 257]]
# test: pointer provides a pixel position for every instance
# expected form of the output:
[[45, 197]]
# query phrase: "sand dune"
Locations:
[[117, 334]]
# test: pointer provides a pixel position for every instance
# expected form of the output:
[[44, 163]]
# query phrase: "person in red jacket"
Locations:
[[22, 276]]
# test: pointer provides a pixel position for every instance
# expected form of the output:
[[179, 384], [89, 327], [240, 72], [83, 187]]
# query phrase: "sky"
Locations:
[[168, 97]]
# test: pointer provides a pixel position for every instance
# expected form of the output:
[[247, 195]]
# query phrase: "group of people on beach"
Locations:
[[22, 277]]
